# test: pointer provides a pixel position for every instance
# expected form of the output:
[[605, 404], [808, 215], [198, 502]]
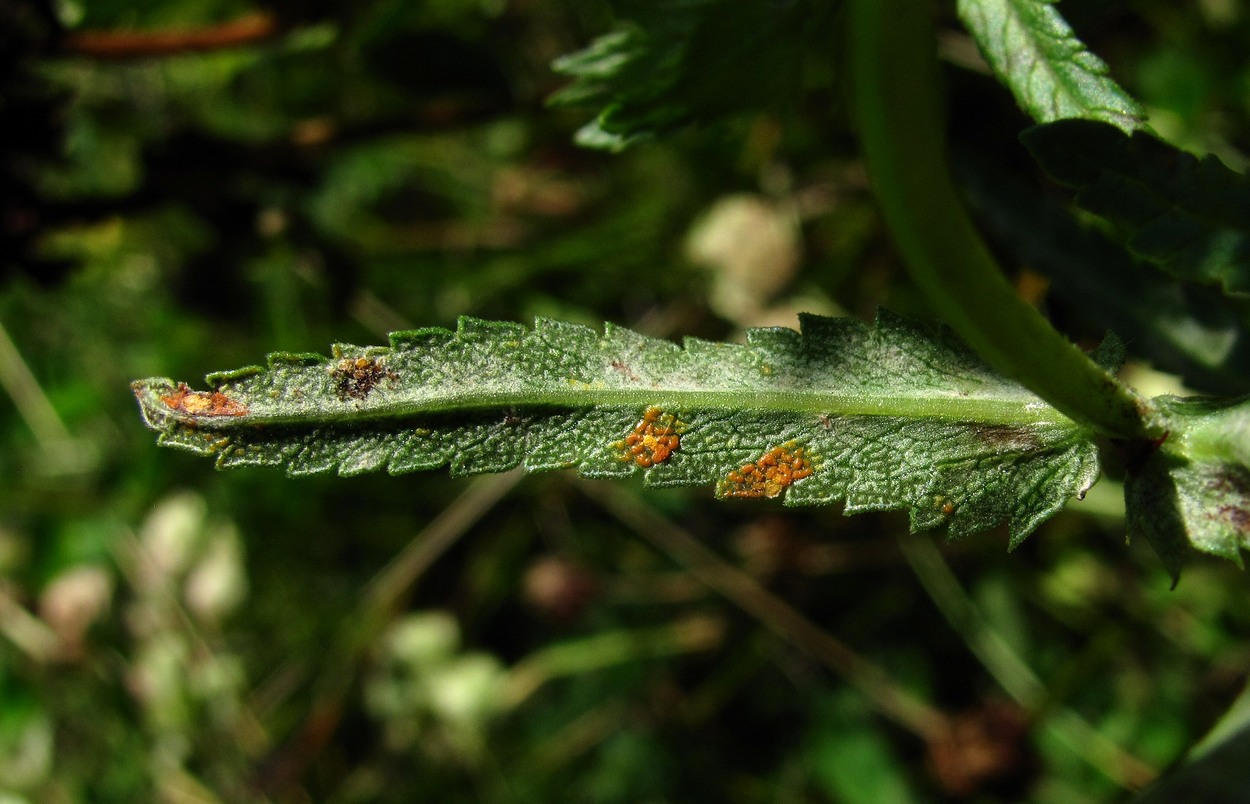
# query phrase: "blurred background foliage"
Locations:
[[188, 184]]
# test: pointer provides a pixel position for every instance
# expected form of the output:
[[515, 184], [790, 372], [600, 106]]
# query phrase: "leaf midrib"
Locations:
[[948, 408]]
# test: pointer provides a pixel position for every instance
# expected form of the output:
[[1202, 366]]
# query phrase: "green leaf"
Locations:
[[894, 416], [678, 63], [1181, 328], [1185, 214], [1035, 53], [1193, 490]]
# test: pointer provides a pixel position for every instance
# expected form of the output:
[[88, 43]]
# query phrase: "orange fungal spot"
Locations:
[[771, 473], [203, 403], [653, 440]]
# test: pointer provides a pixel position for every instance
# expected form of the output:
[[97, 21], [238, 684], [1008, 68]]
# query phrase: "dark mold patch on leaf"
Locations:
[[1004, 438], [355, 378]]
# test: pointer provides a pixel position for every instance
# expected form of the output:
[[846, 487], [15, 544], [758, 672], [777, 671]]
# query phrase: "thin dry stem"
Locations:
[[889, 697]]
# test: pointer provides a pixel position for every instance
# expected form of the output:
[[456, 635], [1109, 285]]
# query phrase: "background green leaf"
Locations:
[[1193, 492], [1185, 214], [1034, 51], [694, 61], [1185, 329]]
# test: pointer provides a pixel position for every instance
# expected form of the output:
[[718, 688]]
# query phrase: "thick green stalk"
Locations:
[[896, 102]]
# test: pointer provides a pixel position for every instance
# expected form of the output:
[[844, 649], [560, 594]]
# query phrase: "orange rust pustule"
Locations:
[[653, 440], [356, 377], [775, 470], [203, 403]]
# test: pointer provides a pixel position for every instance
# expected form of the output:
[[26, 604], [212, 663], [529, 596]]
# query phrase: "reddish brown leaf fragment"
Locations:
[[203, 403]]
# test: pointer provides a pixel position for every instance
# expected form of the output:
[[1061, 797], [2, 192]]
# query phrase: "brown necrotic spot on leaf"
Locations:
[[1230, 480], [621, 367], [1236, 517], [203, 403], [1230, 485], [1005, 438], [653, 440], [356, 377], [769, 475]]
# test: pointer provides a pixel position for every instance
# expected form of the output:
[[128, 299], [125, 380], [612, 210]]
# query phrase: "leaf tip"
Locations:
[[148, 393], [162, 402]]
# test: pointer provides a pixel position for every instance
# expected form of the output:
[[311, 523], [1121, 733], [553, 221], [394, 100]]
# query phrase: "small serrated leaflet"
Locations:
[[1034, 51]]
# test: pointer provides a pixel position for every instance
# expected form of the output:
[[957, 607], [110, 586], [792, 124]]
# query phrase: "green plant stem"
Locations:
[[894, 83], [608, 649]]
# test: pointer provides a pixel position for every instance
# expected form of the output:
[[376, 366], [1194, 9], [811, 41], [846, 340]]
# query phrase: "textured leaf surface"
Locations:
[[1190, 216], [1034, 52], [690, 61], [1194, 490], [893, 416]]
